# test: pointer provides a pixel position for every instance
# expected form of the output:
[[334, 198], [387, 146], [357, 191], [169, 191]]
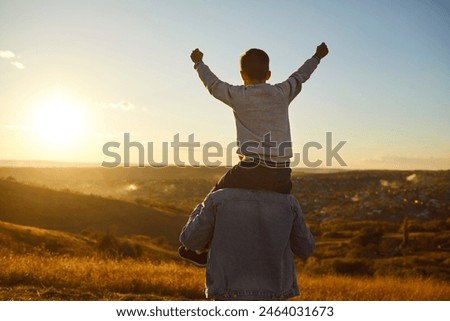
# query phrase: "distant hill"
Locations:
[[42, 163], [27, 239], [70, 212], [170, 189], [74, 174], [21, 239]]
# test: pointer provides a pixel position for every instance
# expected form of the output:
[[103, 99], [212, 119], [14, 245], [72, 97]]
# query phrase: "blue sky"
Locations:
[[124, 66]]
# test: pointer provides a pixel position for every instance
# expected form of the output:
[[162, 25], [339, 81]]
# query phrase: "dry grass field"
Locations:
[[41, 277]]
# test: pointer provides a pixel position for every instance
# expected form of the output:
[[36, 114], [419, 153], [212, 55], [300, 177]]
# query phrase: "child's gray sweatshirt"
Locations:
[[260, 111]]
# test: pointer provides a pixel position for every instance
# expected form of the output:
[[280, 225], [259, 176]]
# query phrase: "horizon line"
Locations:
[[5, 163]]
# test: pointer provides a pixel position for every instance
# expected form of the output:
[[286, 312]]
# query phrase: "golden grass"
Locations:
[[343, 288], [35, 277], [103, 279]]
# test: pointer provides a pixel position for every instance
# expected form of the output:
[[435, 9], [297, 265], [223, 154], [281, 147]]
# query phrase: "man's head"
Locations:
[[255, 67]]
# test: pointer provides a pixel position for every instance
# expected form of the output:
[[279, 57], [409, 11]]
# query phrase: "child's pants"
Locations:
[[256, 177]]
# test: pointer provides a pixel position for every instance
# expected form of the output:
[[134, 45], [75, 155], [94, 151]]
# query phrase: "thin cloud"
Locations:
[[121, 105], [18, 65], [6, 54]]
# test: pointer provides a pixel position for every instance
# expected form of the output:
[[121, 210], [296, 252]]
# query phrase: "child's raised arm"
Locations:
[[293, 85], [219, 89]]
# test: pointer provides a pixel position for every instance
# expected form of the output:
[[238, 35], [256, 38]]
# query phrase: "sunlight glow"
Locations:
[[59, 121]]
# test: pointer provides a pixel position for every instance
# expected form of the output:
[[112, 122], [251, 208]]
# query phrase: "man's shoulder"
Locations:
[[233, 201], [239, 194]]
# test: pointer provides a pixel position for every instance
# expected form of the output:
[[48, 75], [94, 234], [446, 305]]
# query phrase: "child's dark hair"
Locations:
[[255, 63]]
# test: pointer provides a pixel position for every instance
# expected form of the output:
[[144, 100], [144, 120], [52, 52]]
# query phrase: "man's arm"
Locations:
[[219, 89], [293, 85], [198, 231]]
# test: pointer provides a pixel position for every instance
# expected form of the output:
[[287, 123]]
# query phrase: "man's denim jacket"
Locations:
[[252, 236]]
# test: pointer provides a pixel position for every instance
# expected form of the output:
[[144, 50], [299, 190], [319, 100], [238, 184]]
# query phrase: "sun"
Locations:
[[59, 121]]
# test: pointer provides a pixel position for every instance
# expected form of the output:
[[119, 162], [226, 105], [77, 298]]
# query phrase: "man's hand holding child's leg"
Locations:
[[198, 258]]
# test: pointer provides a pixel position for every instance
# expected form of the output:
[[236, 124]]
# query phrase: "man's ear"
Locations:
[[268, 75]]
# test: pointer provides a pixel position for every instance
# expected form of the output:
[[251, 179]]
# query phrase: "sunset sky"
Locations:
[[75, 75]]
